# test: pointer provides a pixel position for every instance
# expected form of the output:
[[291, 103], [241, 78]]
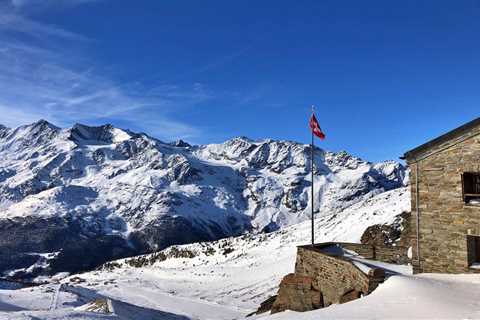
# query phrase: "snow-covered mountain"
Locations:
[[71, 199], [219, 280]]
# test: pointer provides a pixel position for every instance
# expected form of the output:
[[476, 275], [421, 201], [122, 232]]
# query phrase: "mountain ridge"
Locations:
[[86, 189]]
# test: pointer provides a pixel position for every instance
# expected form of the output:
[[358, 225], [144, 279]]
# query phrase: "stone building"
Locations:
[[445, 188]]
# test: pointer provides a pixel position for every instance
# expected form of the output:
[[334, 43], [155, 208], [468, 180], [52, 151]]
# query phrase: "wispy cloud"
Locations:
[[19, 24], [39, 5], [39, 81]]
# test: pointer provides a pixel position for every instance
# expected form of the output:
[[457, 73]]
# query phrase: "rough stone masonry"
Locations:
[[447, 224], [321, 279]]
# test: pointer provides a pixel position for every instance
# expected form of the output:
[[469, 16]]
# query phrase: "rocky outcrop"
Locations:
[[394, 234], [265, 306]]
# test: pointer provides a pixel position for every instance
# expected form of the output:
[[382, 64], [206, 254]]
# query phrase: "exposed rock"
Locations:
[[181, 144], [85, 134], [101, 305], [265, 306], [77, 250], [397, 233], [296, 293], [3, 131], [77, 280], [350, 296]]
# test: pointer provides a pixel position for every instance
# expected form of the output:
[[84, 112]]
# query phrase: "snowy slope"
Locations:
[[51, 302], [425, 296], [234, 275], [228, 278], [224, 279], [85, 195]]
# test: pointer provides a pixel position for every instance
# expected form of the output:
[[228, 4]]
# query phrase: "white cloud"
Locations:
[[39, 5], [18, 24], [38, 80], [11, 116]]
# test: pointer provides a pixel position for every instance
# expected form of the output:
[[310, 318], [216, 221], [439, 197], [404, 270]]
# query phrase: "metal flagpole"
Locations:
[[312, 158]]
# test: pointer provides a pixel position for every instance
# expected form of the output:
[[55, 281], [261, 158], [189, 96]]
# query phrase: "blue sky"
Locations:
[[385, 76]]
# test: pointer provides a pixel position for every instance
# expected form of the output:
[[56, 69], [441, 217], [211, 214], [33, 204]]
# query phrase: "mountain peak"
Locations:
[[3, 131], [180, 143], [106, 133], [33, 134], [241, 139], [42, 123]]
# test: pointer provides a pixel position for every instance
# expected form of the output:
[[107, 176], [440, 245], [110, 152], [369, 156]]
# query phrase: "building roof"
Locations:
[[442, 139]]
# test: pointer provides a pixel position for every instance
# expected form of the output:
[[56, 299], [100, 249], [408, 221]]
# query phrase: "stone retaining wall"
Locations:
[[321, 279], [334, 276], [388, 254]]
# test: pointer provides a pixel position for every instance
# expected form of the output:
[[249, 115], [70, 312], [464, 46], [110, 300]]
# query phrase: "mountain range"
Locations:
[[74, 198]]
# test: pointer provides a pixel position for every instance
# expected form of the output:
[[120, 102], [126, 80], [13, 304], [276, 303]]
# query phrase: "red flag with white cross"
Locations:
[[316, 130]]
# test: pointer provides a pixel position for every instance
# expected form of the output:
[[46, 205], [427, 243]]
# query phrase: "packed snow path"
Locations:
[[54, 303]]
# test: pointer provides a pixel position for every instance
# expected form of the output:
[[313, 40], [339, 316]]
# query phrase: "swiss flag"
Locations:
[[316, 130]]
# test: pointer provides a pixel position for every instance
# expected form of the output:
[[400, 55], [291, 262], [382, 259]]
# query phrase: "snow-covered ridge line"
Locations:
[[116, 193]]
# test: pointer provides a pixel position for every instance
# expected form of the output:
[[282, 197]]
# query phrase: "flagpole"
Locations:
[[312, 158]]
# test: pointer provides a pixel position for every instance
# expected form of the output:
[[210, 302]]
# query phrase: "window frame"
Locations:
[[475, 187], [473, 251]]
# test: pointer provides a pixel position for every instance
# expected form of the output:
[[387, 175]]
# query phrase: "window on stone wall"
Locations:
[[473, 248], [471, 187]]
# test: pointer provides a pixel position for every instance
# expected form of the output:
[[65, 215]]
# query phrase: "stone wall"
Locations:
[[444, 219], [389, 254], [297, 293], [394, 254], [321, 280], [333, 276]]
